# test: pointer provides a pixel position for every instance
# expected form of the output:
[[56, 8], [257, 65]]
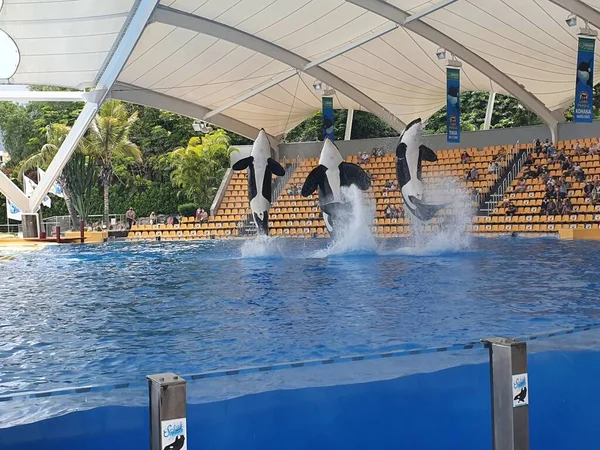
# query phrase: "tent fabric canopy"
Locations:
[[395, 68]]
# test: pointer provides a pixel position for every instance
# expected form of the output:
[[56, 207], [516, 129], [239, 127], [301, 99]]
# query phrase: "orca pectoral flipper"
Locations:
[[426, 154], [243, 163], [275, 167], [425, 211], [313, 180], [353, 174]]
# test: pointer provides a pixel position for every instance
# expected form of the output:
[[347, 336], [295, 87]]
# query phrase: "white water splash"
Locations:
[[263, 247], [449, 231], [353, 233]]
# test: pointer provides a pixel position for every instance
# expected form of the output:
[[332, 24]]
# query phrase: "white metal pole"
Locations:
[[349, 120], [489, 111]]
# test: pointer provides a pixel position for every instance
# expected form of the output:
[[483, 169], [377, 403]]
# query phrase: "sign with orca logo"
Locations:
[[174, 434], [453, 104], [328, 118], [520, 390], [584, 84]]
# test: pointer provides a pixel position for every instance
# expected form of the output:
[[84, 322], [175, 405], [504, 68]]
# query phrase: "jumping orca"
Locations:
[[177, 444], [409, 155], [584, 72], [328, 177], [261, 166], [520, 397]]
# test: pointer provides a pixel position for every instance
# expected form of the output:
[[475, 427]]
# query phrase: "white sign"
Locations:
[[30, 186], [520, 389], [12, 211], [174, 434], [55, 189]]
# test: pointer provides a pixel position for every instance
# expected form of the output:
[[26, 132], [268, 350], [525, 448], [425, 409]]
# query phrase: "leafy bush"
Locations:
[[187, 210]]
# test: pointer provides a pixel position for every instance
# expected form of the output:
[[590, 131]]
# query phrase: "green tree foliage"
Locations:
[[108, 140], [18, 131], [187, 210], [199, 168]]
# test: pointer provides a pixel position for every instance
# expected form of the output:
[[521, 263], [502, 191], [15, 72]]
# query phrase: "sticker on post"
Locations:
[[520, 390], [173, 434]]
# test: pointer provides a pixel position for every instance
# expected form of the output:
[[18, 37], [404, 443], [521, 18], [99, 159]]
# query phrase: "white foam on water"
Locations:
[[353, 235], [263, 247], [449, 231]]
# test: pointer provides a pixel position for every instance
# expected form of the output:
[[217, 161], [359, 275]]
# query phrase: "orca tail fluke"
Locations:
[[425, 211]]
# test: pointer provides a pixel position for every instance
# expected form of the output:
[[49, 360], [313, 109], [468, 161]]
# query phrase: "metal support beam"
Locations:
[[580, 9], [132, 34], [390, 12], [180, 19], [12, 192], [141, 96], [281, 78], [349, 120], [25, 95], [489, 111], [510, 394], [428, 11]]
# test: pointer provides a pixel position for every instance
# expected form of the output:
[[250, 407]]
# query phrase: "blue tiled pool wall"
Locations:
[[446, 409]]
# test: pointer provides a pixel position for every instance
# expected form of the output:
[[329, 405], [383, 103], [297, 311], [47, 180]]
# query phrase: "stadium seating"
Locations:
[[528, 217]]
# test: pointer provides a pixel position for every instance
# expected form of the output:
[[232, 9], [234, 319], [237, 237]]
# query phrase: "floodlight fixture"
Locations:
[[318, 85], [441, 53], [201, 127], [571, 20]]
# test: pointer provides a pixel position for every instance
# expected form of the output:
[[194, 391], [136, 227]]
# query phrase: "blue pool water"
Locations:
[[116, 312]]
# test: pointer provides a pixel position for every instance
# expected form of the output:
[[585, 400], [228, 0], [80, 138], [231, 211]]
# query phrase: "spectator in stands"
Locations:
[[563, 187], [544, 206], [551, 150], [537, 145], [529, 161], [204, 216], [464, 157], [198, 214], [493, 167], [595, 149], [505, 202], [388, 186], [596, 192], [560, 156], [531, 173], [130, 216], [521, 186], [559, 206], [399, 212], [474, 175], [588, 189], [551, 208], [578, 172], [567, 167], [389, 211], [152, 218], [567, 207], [511, 209], [467, 175]]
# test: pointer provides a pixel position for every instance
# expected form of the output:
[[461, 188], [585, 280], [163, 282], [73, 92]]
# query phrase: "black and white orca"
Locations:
[[584, 73], [520, 397], [409, 156], [453, 97], [328, 177], [177, 444], [260, 166]]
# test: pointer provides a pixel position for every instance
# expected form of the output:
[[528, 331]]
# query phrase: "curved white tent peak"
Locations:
[[9, 56]]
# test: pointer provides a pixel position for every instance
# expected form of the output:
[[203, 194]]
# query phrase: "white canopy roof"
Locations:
[[253, 62]]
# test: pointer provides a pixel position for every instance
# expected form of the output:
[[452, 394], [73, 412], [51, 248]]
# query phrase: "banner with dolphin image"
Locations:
[[12, 211], [584, 86], [328, 118], [453, 104]]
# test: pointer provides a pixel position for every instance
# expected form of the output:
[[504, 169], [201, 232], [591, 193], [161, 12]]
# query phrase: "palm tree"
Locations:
[[109, 139], [55, 135], [199, 168]]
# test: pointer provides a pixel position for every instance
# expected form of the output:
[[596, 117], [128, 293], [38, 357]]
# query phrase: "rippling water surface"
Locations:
[[98, 314]]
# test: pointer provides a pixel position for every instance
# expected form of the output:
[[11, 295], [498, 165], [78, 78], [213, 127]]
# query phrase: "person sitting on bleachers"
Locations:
[[521, 186], [544, 206], [578, 172], [551, 149], [204, 216], [596, 193], [588, 189], [511, 209], [493, 167], [473, 175], [531, 173], [567, 167], [595, 149], [464, 157], [567, 207], [537, 145], [563, 187], [529, 161], [551, 208]]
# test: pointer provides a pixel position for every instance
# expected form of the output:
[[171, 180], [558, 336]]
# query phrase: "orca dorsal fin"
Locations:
[[314, 178], [275, 167], [353, 174], [243, 163], [401, 150], [426, 154]]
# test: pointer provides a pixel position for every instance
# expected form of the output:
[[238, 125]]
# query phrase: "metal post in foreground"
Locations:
[[82, 231], [30, 226], [57, 231], [168, 428], [510, 394]]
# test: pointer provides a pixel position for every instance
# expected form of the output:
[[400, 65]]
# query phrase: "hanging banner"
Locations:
[[453, 104], [55, 189], [328, 118], [30, 186], [12, 211], [584, 86]]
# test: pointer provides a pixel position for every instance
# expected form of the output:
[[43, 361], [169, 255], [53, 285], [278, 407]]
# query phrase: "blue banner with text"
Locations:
[[453, 105], [328, 118], [584, 86]]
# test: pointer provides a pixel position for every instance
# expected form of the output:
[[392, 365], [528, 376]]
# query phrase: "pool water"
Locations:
[[117, 312]]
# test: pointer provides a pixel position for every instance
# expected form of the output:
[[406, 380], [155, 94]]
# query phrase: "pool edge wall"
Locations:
[[447, 409]]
